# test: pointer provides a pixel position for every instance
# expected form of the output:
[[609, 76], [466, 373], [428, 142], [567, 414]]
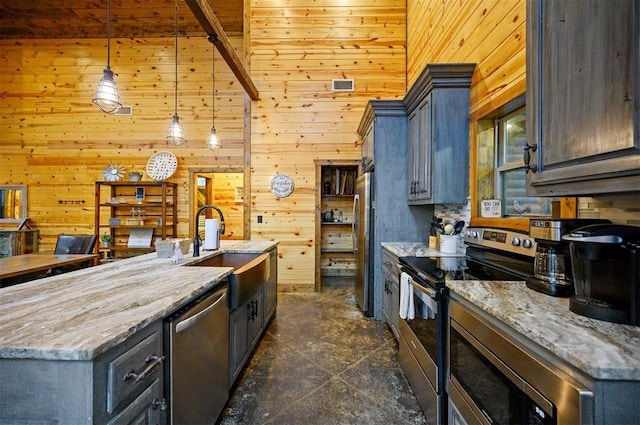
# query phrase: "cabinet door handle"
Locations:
[[152, 361], [527, 158], [159, 404], [253, 310]]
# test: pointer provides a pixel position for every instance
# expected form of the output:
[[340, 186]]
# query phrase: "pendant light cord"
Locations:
[[176, 47], [109, 34], [213, 39]]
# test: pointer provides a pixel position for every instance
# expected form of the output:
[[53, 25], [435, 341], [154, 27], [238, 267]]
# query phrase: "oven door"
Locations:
[[423, 326], [422, 348], [483, 389]]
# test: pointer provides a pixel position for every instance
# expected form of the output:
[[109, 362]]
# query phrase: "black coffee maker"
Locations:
[[552, 274], [606, 272]]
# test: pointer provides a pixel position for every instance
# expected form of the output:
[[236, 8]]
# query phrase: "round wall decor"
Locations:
[[282, 185], [113, 172], [162, 165]]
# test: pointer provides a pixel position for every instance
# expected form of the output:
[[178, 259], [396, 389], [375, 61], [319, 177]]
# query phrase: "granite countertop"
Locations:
[[600, 349], [79, 315], [416, 249]]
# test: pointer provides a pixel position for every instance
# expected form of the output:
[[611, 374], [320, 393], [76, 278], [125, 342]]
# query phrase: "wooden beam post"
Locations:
[[209, 22]]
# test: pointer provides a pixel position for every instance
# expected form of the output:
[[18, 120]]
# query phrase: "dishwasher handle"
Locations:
[[192, 320]]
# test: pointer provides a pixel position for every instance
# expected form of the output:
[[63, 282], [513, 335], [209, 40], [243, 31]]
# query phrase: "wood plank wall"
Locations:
[[296, 48], [490, 33], [54, 140]]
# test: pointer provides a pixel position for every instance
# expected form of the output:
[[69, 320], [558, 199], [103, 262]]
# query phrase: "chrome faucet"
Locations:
[[196, 239]]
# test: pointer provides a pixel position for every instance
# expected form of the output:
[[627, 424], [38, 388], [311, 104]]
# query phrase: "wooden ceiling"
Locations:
[[20, 19]]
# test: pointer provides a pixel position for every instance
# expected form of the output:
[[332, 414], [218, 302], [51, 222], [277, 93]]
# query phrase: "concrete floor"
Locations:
[[322, 362]]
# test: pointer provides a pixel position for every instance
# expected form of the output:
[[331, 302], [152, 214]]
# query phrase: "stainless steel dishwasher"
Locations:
[[197, 368]]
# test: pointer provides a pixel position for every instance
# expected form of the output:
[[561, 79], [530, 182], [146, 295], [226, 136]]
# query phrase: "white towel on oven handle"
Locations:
[[430, 303], [407, 310]]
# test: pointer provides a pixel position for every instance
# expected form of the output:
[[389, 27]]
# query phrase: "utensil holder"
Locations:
[[449, 244]]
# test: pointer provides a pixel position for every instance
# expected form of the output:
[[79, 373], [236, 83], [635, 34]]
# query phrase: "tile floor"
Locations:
[[322, 362]]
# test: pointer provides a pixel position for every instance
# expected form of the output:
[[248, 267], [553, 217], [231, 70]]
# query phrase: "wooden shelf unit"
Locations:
[[157, 208], [336, 190]]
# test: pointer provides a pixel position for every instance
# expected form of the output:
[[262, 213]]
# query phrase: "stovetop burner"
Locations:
[[492, 254], [436, 270]]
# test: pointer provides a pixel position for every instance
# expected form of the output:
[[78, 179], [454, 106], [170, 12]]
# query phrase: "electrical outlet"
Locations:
[[259, 219]]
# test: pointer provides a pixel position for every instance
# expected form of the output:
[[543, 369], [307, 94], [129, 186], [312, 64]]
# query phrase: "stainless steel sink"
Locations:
[[251, 271]]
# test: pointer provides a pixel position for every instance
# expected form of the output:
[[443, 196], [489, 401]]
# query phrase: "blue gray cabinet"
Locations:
[[583, 97], [102, 390], [248, 322], [384, 125], [438, 113]]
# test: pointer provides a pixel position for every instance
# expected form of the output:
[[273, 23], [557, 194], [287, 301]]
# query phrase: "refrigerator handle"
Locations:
[[354, 222]]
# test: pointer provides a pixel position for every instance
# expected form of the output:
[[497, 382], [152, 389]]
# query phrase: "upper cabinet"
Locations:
[[583, 97], [438, 110]]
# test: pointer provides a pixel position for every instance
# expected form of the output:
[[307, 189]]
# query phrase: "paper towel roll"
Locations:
[[211, 237]]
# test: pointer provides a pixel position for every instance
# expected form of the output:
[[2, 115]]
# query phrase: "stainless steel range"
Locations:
[[492, 254]]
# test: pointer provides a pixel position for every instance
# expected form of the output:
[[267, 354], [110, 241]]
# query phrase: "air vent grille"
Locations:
[[342, 85], [125, 110]]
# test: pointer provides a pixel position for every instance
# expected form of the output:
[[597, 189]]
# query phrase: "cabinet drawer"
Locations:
[[390, 265], [143, 410], [132, 371]]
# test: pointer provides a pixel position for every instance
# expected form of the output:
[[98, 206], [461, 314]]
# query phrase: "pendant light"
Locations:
[[175, 133], [106, 96], [213, 142]]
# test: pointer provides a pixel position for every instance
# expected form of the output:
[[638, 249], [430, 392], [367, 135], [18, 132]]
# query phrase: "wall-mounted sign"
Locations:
[[282, 185], [491, 208]]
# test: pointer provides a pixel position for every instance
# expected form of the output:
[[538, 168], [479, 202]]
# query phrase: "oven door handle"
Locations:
[[431, 293], [428, 279]]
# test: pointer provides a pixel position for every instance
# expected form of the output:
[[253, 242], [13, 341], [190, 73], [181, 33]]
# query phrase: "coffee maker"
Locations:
[[552, 272], [606, 271]]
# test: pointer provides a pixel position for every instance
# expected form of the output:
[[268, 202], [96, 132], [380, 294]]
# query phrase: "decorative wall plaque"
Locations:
[[282, 185]]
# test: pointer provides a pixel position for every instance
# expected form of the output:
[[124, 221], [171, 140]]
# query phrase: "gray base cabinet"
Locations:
[[583, 97], [438, 113], [88, 392], [245, 328], [248, 322], [391, 302]]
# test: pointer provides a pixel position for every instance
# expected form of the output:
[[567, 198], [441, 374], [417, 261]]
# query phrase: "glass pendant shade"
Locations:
[[106, 96], [213, 142], [175, 133]]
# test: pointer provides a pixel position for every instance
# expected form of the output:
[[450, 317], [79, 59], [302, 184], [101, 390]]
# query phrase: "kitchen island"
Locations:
[[55, 332]]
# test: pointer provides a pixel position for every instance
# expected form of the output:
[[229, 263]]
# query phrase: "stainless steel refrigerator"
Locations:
[[363, 217]]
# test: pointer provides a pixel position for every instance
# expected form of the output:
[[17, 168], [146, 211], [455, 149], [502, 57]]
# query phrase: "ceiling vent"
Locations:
[[125, 110], [342, 85]]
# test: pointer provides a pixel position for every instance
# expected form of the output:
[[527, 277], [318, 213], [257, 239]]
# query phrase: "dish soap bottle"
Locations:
[[176, 256]]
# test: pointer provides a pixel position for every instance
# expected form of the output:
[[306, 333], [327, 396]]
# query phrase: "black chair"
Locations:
[[74, 244]]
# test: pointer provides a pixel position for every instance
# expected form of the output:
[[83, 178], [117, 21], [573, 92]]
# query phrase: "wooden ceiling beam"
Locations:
[[209, 22]]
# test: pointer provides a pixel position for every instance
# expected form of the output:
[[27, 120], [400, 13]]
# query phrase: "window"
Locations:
[[501, 175]]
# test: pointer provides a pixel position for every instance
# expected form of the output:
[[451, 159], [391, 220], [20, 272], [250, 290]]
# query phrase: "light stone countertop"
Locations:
[[79, 315], [600, 349], [416, 249]]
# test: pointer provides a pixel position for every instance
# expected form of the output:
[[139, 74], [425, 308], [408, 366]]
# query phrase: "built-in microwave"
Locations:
[[493, 380]]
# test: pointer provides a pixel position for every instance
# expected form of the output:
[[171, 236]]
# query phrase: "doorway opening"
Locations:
[[223, 188]]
